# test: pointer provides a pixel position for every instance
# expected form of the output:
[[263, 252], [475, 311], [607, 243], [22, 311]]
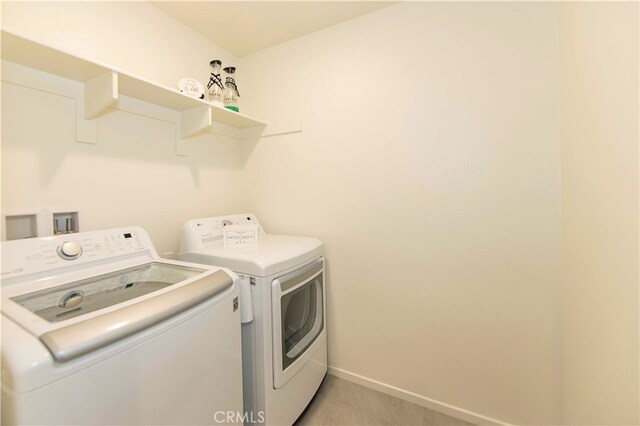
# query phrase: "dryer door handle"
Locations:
[[292, 282]]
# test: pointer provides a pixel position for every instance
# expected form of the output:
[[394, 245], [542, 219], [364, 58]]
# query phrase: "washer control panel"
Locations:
[[20, 257]]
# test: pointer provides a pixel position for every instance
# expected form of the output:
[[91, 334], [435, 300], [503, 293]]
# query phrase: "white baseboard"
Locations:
[[423, 401]]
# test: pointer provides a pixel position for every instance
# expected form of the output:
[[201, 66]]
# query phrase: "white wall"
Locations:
[[429, 164], [600, 119], [131, 176]]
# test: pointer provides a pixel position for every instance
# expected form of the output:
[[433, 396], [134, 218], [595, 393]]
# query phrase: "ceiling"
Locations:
[[244, 27]]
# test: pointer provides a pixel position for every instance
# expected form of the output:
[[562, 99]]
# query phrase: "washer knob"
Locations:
[[69, 250]]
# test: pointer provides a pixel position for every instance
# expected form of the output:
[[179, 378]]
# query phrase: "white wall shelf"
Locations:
[[103, 84]]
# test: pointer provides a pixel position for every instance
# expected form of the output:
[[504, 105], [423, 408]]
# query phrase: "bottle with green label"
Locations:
[[231, 94]]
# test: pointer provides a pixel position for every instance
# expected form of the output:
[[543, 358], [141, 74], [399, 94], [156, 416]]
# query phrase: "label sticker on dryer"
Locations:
[[240, 236]]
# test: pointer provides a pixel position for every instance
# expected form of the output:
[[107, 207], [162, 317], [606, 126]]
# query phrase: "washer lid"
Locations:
[[91, 294], [73, 317], [273, 254]]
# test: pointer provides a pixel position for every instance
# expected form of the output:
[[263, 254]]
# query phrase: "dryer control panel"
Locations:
[[207, 232]]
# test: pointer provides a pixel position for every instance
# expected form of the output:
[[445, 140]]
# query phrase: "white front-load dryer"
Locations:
[[284, 344]]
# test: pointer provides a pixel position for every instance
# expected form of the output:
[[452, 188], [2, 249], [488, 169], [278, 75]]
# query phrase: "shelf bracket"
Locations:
[[100, 93], [190, 123], [97, 95], [195, 120]]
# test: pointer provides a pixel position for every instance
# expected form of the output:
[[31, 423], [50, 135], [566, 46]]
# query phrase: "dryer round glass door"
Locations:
[[298, 316]]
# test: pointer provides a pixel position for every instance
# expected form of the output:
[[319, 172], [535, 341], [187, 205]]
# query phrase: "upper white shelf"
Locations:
[[38, 56]]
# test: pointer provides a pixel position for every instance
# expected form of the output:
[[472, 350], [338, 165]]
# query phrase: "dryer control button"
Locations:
[[69, 250]]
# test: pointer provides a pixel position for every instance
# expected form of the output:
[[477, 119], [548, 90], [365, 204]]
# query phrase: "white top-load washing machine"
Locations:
[[97, 329], [284, 345]]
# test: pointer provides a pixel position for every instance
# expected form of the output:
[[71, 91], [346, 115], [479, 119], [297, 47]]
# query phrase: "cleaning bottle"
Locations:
[[231, 94]]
